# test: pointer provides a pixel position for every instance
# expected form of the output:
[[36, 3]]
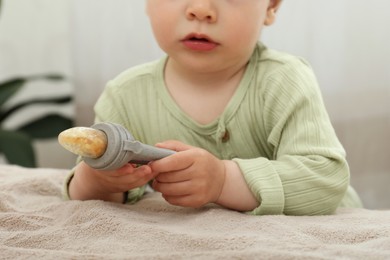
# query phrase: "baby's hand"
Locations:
[[192, 177], [125, 178], [89, 183]]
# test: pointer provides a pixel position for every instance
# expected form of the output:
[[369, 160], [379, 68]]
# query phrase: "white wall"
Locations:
[[106, 41], [346, 41]]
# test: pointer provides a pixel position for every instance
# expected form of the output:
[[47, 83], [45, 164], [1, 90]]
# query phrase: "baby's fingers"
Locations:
[[139, 177], [123, 171]]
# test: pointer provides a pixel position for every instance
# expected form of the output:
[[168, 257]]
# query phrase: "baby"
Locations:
[[248, 124]]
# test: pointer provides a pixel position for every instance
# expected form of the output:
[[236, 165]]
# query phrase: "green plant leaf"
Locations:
[[52, 77], [46, 127], [17, 148], [59, 100], [9, 88]]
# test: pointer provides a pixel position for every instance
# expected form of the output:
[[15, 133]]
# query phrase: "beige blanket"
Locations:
[[35, 223]]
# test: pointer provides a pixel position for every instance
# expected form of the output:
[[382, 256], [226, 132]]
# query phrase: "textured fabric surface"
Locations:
[[35, 223]]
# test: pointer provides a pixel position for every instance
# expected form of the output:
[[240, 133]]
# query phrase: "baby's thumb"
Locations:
[[174, 145]]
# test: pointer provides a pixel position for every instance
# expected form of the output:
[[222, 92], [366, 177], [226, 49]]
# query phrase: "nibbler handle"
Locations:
[[143, 153]]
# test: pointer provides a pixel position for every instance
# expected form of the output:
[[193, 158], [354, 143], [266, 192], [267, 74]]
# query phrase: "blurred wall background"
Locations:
[[346, 42], [35, 40]]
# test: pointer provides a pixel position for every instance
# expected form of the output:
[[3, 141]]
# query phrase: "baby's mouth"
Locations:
[[197, 37], [200, 45], [199, 42]]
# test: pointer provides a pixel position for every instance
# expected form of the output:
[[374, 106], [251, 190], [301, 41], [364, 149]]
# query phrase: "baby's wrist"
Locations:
[[85, 185], [235, 193], [224, 190]]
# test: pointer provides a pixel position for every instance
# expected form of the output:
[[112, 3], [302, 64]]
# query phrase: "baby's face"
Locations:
[[208, 35]]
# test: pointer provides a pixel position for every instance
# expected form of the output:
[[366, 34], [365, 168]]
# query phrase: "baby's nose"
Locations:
[[202, 10]]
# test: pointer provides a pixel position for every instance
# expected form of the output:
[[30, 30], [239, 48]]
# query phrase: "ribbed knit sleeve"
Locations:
[[307, 173]]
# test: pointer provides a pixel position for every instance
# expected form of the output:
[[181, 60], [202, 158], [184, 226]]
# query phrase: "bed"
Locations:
[[35, 223]]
